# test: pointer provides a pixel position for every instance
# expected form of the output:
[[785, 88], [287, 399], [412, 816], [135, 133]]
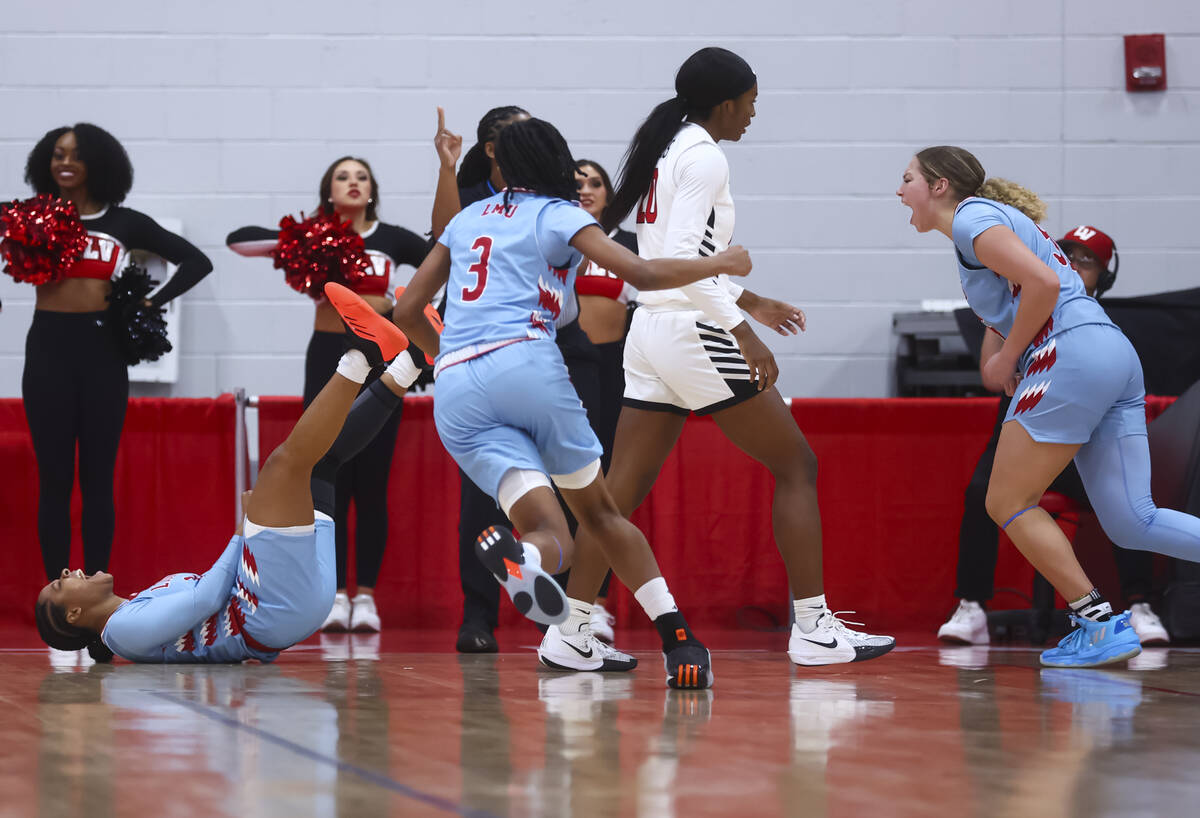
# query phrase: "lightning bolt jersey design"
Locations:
[[995, 299], [512, 269], [1030, 396]]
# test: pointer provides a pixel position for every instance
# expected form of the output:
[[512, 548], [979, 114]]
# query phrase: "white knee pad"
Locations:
[[578, 479], [516, 483]]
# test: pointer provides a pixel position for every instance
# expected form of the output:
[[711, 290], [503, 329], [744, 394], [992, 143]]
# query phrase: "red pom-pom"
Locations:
[[319, 249], [43, 237]]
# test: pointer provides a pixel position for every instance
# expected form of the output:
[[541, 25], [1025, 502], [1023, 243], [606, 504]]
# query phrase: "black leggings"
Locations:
[[363, 478], [75, 389]]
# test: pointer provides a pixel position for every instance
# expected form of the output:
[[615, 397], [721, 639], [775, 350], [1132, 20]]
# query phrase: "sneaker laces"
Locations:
[[961, 614], [839, 624]]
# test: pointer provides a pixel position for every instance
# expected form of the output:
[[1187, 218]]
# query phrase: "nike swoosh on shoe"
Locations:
[[831, 644], [587, 655]]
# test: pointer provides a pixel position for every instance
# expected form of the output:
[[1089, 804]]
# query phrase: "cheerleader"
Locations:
[[76, 383], [692, 350], [605, 306], [349, 191], [1078, 395]]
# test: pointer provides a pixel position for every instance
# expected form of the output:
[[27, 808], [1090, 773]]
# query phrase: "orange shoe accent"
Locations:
[[365, 322], [434, 317], [681, 634], [514, 570]]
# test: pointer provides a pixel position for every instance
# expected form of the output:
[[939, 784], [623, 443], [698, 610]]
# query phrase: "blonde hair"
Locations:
[[1014, 195], [966, 177]]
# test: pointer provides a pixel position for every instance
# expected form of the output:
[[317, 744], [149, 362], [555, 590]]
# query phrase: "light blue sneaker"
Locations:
[[1092, 644]]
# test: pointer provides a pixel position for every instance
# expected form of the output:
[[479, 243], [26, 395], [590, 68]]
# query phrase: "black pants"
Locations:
[[477, 509], [979, 536], [75, 389], [363, 478]]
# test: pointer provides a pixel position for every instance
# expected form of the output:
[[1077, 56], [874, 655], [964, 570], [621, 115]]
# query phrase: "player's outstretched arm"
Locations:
[[409, 312], [659, 273]]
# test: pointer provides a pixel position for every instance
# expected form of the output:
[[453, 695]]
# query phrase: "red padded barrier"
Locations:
[[892, 475]]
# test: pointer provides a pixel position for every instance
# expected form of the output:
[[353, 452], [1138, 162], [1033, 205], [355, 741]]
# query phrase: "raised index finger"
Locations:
[[441, 119]]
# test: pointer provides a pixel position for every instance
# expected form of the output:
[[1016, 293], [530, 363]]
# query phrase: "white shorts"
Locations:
[[680, 361]]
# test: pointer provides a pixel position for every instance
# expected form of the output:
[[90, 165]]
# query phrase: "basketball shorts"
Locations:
[[285, 582], [513, 408], [1081, 385], [681, 362]]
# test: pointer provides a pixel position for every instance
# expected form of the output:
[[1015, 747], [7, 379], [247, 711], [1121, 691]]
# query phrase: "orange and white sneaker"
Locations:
[[375, 335]]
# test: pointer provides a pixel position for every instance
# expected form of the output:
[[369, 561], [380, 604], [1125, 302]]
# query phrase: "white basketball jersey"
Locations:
[[688, 212]]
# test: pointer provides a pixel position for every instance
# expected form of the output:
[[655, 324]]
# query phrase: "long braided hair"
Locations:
[[476, 167], [533, 155]]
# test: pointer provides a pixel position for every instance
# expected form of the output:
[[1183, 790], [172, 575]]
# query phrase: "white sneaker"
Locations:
[[338, 620], [602, 624], [966, 626], [363, 616], [364, 646], [581, 652], [1147, 625], [832, 643]]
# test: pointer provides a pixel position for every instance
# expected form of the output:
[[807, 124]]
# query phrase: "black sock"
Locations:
[[1093, 606], [367, 416], [674, 631]]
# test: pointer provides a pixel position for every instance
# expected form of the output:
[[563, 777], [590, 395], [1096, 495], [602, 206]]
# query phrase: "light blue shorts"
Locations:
[[285, 583], [1082, 385], [513, 408]]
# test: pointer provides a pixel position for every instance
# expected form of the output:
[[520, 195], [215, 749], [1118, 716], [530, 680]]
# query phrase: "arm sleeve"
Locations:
[[252, 241], [164, 618], [973, 218], [193, 264], [702, 172], [557, 224]]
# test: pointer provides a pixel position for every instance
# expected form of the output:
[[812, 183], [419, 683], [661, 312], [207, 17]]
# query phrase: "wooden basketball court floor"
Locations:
[[398, 725]]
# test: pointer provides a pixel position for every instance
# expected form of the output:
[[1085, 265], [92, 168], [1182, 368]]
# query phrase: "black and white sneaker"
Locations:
[[686, 660], [581, 651], [832, 643], [532, 590]]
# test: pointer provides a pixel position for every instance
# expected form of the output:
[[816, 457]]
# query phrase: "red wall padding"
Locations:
[[174, 497], [892, 475]]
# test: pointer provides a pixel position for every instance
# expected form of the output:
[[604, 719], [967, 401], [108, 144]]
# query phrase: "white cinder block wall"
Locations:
[[231, 111]]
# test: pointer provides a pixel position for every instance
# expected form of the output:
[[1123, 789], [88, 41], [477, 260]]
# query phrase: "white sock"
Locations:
[[578, 620], [808, 611], [403, 370], [353, 366], [655, 598]]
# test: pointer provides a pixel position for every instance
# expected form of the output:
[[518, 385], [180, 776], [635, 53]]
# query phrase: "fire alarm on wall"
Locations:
[[1145, 62]]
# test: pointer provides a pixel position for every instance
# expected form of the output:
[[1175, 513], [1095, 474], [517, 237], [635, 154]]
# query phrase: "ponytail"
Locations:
[[1014, 195], [706, 79], [637, 166]]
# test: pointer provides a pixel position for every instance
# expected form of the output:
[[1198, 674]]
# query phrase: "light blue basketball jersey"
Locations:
[[185, 617], [993, 297], [511, 268]]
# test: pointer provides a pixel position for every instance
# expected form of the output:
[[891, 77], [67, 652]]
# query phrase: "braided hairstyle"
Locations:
[[58, 633], [705, 80], [476, 167], [532, 155]]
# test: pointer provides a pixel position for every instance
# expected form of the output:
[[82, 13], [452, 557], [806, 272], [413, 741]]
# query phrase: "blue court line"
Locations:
[[378, 779]]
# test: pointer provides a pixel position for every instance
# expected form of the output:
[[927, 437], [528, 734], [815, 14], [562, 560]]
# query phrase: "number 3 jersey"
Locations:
[[688, 212], [512, 268]]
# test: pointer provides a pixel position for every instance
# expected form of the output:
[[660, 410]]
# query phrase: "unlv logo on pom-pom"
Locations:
[[43, 237]]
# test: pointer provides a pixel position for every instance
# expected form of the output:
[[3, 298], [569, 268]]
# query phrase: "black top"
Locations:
[[115, 231], [387, 246]]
